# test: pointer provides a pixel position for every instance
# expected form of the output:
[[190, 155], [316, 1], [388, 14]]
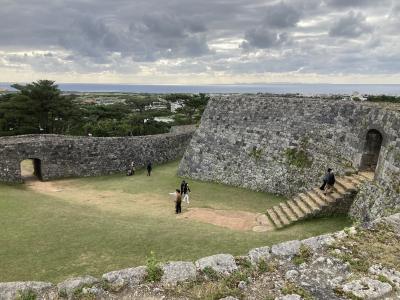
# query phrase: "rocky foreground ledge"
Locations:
[[361, 262]]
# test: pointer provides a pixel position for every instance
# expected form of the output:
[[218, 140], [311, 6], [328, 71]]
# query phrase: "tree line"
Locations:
[[40, 107]]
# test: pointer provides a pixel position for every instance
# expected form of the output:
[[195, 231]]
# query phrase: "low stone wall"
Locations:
[[183, 128], [314, 268], [66, 156]]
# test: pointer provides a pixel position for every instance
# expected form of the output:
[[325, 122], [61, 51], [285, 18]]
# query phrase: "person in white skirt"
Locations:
[[186, 191]]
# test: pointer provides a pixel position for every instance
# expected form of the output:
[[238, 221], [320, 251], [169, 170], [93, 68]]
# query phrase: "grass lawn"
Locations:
[[94, 225]]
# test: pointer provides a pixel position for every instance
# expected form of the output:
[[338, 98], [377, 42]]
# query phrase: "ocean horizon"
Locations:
[[274, 88]]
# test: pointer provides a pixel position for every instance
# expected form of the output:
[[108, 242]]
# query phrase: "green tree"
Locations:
[[37, 107], [138, 103], [193, 107]]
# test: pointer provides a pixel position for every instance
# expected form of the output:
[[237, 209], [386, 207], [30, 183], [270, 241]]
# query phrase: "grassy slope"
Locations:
[[45, 237]]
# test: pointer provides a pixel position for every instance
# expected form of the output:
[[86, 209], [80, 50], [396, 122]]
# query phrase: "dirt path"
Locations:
[[236, 220], [128, 204]]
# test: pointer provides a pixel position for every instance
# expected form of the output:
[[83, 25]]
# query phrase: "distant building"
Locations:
[[356, 96], [157, 105], [175, 106], [164, 119]]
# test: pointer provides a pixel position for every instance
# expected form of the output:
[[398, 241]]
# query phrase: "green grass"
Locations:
[[107, 223]]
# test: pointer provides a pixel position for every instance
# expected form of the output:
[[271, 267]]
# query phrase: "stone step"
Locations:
[[309, 202], [290, 214], [317, 199], [368, 175], [354, 180], [361, 178], [295, 209], [337, 196], [274, 218], [328, 198], [339, 189], [281, 215], [348, 186], [304, 207]]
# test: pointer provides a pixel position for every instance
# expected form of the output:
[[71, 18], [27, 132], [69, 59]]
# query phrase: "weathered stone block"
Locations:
[[221, 263], [71, 285], [258, 254], [289, 248], [318, 242], [178, 271], [118, 280], [367, 288], [13, 290]]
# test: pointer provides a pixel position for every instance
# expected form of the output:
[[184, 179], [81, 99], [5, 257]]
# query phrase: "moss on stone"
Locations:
[[298, 158]]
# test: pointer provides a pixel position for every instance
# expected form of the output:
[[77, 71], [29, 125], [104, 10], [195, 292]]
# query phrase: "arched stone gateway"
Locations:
[[31, 169], [372, 148]]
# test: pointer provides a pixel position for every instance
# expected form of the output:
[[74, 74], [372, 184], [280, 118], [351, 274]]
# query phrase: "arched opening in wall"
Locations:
[[372, 148], [31, 169]]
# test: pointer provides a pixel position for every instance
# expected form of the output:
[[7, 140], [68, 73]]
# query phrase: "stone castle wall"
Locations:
[[283, 144], [66, 156]]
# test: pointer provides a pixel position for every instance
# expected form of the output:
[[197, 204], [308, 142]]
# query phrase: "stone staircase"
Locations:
[[314, 202]]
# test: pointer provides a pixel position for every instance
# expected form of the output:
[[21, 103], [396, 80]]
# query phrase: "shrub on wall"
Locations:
[[298, 158], [256, 153]]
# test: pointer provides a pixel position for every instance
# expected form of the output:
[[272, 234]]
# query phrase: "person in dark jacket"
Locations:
[[149, 168], [325, 180], [185, 192], [330, 182], [183, 183], [178, 202]]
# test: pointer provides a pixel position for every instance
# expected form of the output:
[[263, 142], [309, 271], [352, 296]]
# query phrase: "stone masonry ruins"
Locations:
[[264, 142], [57, 156], [283, 145]]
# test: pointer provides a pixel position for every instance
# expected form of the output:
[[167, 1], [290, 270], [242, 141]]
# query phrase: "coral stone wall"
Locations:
[[66, 156], [283, 144]]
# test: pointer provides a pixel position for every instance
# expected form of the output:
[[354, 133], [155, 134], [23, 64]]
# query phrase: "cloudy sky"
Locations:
[[200, 41]]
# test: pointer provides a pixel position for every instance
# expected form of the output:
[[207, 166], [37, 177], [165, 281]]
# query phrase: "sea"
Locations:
[[275, 88]]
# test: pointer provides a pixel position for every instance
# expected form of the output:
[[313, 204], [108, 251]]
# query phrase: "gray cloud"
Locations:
[[263, 38], [189, 36], [351, 25], [282, 15], [350, 3]]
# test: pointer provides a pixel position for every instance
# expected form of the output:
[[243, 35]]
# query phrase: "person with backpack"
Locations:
[[330, 181]]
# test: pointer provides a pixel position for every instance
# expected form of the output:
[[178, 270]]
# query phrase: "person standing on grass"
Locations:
[[186, 191], [133, 169], [178, 201], [183, 183], [149, 168]]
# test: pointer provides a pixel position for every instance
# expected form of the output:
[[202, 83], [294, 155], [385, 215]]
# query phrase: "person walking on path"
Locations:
[[178, 201], [330, 182], [149, 168]]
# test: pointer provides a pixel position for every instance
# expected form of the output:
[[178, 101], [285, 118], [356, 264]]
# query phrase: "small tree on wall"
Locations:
[[298, 157], [256, 153]]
